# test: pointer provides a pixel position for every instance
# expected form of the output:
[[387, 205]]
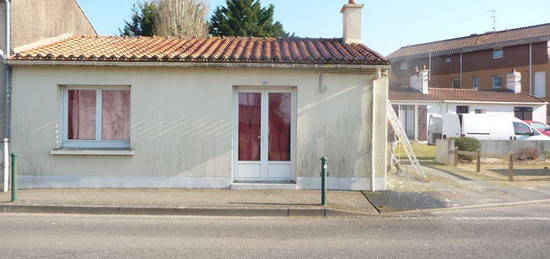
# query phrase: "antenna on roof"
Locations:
[[494, 18]]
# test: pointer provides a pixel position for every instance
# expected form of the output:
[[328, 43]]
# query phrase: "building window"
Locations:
[[524, 113], [462, 109], [480, 111], [448, 59], [497, 81], [498, 53], [476, 82], [404, 65], [96, 118], [455, 83]]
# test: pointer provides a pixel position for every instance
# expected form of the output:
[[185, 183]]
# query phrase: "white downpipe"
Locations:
[[6, 166], [372, 167], [531, 90], [7, 100]]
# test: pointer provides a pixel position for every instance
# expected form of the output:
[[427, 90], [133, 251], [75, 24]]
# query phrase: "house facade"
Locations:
[[480, 61], [158, 112], [420, 107], [22, 24]]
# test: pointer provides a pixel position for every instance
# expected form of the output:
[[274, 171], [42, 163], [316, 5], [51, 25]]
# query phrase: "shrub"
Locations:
[[547, 155], [467, 144], [528, 153]]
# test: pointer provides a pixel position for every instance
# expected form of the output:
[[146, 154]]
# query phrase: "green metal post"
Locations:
[[13, 177], [324, 181]]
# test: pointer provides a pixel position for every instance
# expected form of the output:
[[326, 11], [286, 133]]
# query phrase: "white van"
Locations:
[[488, 127]]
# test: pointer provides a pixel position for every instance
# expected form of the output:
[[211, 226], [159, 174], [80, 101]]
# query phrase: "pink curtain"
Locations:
[[250, 112], [279, 126], [116, 115], [82, 115]]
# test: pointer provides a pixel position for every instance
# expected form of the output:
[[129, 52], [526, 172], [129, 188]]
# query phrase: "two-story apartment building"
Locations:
[[480, 61], [25, 23]]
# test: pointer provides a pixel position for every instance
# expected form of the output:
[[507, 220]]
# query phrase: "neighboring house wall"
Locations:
[[443, 108], [34, 20], [479, 64], [182, 126]]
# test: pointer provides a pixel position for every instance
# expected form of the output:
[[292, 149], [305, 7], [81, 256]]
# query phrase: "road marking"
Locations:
[[472, 218]]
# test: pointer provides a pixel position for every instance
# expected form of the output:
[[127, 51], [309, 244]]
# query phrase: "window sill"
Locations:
[[91, 152]]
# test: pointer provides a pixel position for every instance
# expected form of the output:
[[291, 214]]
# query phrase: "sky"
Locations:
[[387, 24]]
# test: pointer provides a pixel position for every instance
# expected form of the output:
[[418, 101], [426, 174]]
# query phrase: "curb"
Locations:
[[173, 211], [467, 207]]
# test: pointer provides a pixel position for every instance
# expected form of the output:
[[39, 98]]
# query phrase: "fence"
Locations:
[[448, 154], [478, 155]]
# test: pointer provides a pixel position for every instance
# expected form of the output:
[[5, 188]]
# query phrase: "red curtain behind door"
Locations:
[[279, 126], [250, 118]]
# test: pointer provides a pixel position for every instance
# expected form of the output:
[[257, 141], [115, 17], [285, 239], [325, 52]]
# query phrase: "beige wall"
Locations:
[[34, 20], [182, 121]]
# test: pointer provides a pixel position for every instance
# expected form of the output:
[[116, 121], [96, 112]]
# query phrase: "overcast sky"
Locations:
[[387, 24]]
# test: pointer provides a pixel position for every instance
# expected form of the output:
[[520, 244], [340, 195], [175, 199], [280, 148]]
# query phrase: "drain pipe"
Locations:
[[7, 101]]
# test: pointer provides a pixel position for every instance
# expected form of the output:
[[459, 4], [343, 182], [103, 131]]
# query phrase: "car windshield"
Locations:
[[539, 126]]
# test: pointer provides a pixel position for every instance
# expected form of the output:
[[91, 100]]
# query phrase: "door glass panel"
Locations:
[[250, 118], [279, 126], [82, 115]]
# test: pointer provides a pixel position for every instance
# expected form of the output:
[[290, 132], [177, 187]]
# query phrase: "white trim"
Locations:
[[511, 103], [83, 182], [264, 91], [342, 183], [263, 186], [98, 143], [92, 152], [197, 64], [411, 102]]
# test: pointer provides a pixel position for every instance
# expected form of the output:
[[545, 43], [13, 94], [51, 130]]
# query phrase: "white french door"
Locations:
[[265, 133]]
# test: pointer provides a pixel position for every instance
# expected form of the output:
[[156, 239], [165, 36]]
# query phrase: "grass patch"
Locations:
[[422, 151]]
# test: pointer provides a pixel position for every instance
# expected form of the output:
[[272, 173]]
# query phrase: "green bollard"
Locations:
[[324, 181], [13, 177]]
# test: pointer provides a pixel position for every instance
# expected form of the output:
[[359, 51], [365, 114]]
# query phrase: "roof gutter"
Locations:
[[7, 100], [197, 65], [461, 102]]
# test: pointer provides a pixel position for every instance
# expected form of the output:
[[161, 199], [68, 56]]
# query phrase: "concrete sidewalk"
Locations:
[[454, 189], [189, 202]]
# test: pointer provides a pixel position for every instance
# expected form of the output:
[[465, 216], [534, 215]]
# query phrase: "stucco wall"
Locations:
[[34, 20], [182, 119]]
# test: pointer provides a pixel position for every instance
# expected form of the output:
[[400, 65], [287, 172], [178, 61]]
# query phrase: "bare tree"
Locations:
[[182, 18]]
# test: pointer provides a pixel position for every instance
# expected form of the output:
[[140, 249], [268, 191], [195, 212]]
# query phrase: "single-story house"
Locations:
[[418, 105], [161, 112]]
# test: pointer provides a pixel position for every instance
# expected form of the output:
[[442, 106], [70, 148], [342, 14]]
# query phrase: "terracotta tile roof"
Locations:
[[213, 49], [449, 94], [476, 40]]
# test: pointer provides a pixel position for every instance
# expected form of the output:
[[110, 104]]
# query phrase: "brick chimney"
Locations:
[[352, 13]]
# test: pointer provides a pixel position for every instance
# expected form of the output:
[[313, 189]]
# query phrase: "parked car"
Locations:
[[541, 127], [488, 127]]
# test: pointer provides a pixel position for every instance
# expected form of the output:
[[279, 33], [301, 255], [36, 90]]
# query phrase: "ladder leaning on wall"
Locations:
[[404, 140]]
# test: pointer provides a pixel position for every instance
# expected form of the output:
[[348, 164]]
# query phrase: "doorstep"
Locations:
[[264, 186]]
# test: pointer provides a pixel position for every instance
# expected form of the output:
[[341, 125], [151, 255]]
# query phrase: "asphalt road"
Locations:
[[522, 232]]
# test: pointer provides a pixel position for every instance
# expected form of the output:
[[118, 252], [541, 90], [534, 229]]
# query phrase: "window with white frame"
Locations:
[[497, 82], [96, 117], [498, 53], [476, 82], [448, 59]]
